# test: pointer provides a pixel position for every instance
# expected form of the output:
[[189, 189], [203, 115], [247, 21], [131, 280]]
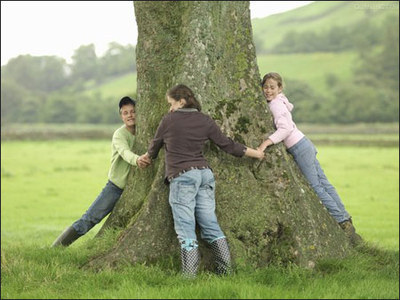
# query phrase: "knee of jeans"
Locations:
[[189, 244], [92, 219], [318, 188], [80, 228]]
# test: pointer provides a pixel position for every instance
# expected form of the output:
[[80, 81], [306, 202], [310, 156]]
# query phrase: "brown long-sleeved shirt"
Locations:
[[184, 133]]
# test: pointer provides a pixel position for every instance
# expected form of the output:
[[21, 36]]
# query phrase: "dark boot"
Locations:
[[66, 238], [350, 232], [190, 262], [222, 256]]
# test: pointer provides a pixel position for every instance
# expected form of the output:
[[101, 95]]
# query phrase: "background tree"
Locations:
[[12, 97], [267, 211], [118, 60], [37, 73], [380, 68], [60, 108], [84, 63]]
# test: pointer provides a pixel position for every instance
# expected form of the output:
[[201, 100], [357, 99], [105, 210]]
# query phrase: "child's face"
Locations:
[[128, 115], [271, 89]]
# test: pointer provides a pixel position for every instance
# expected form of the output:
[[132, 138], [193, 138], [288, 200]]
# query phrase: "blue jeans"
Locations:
[[305, 155], [100, 208], [192, 199]]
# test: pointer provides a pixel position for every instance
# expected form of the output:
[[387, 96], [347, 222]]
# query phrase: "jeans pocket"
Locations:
[[183, 193], [210, 190], [209, 184]]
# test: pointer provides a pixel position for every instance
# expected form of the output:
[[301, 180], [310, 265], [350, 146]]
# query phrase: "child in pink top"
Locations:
[[303, 151], [286, 128]]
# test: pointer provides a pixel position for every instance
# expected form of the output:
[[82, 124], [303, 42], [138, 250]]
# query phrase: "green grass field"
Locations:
[[46, 185]]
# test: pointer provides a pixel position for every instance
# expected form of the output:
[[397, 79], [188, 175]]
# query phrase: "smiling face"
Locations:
[[271, 89], [128, 116]]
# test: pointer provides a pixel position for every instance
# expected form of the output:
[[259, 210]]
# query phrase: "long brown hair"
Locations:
[[181, 91]]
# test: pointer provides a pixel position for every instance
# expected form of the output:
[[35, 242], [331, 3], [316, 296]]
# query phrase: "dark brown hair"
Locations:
[[275, 76], [181, 91]]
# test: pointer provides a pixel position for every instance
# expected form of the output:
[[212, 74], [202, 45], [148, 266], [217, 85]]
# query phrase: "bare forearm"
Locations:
[[265, 144]]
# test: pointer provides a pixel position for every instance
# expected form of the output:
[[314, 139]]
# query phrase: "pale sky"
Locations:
[[60, 27]]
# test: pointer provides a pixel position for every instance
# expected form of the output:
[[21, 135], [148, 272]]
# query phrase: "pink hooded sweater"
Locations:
[[286, 129]]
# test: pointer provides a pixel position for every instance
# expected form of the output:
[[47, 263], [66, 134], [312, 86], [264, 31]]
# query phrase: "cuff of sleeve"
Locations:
[[151, 155], [243, 151], [134, 159], [272, 138]]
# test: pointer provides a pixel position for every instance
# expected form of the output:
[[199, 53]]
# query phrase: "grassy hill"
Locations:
[[311, 68], [319, 17], [122, 85]]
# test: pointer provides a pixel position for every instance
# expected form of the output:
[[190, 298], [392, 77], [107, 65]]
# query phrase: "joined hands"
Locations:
[[143, 161]]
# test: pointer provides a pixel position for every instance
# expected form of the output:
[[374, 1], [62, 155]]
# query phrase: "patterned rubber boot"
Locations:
[[190, 258], [222, 257]]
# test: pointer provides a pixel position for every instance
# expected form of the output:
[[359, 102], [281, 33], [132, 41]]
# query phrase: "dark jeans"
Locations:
[[100, 208]]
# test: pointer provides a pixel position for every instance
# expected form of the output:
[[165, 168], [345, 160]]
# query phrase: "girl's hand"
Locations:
[[143, 161], [260, 154], [254, 153]]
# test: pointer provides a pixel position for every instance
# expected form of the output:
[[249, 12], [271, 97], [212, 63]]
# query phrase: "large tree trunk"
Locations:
[[266, 209]]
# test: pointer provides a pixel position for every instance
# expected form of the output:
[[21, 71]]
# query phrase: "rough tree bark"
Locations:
[[266, 209]]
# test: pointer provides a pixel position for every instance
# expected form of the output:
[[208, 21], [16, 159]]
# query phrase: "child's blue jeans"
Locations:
[[100, 208], [305, 155], [192, 199]]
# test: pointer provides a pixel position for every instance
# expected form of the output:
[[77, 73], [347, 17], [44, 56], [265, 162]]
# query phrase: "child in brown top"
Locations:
[[184, 132]]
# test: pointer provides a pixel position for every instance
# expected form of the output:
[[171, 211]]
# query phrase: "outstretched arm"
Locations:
[[121, 145], [230, 146], [158, 141]]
